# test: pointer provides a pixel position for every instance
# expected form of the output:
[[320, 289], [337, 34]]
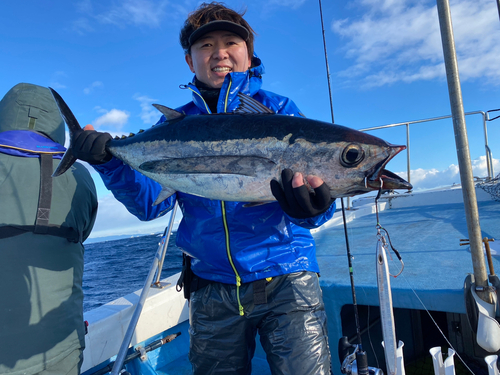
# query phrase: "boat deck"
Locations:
[[426, 234], [425, 228]]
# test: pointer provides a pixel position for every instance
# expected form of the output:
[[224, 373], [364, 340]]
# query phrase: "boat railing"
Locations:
[[485, 117]]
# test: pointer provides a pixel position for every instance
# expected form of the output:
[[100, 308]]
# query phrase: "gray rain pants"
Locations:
[[291, 325]]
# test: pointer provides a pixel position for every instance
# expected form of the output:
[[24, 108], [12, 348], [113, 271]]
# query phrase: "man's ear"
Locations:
[[189, 61]]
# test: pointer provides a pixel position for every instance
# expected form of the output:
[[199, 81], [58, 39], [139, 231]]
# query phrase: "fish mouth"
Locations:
[[380, 178]]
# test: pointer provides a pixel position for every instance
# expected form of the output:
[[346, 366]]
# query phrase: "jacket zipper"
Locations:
[[228, 250], [204, 102], [224, 219], [226, 229]]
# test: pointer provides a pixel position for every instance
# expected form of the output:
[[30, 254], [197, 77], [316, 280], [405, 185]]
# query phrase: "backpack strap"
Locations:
[[42, 225], [45, 196]]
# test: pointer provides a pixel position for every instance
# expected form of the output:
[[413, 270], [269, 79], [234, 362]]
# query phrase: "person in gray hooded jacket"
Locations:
[[43, 223]]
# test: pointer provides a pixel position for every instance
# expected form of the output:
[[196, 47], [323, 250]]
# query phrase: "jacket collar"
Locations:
[[248, 82], [29, 143]]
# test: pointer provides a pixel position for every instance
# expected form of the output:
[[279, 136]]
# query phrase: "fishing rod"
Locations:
[[359, 355], [344, 344], [326, 61], [139, 352]]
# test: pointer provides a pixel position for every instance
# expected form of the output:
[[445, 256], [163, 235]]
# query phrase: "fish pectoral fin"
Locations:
[[235, 165], [250, 106], [164, 194], [169, 113]]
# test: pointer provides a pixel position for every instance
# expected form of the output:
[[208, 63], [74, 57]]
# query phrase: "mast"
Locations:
[[462, 145]]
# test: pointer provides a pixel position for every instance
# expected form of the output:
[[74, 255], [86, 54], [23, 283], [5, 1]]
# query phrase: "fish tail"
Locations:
[[74, 129], [66, 162]]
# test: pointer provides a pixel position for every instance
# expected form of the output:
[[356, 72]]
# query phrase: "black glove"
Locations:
[[298, 202], [90, 146]]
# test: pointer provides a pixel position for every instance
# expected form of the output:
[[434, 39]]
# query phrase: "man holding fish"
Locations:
[[250, 267]]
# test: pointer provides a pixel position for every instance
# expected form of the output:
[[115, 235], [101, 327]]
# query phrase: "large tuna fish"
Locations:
[[234, 156]]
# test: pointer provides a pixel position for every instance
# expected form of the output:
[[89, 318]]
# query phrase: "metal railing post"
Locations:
[[489, 161], [408, 152], [156, 283], [464, 161]]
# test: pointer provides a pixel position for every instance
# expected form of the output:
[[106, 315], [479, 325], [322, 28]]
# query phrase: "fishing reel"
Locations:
[[355, 363]]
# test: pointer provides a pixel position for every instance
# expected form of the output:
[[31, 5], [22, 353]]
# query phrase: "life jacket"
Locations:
[[32, 144]]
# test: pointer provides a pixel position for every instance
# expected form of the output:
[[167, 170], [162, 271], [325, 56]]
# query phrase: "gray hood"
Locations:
[[31, 107]]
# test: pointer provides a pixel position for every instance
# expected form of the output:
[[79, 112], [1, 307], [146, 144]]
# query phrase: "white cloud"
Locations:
[[149, 114], [113, 219], [84, 6], [96, 84], [400, 41], [82, 26], [431, 178], [57, 77], [294, 4], [57, 85], [114, 119], [129, 12]]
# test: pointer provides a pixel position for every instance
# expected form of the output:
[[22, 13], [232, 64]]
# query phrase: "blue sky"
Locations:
[[110, 60]]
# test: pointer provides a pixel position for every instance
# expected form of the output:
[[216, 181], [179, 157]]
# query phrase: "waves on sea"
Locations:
[[119, 267]]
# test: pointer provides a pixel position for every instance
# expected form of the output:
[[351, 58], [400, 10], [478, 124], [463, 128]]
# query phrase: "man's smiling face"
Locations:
[[216, 54]]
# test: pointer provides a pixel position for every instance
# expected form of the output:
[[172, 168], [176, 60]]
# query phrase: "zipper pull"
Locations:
[[238, 284]]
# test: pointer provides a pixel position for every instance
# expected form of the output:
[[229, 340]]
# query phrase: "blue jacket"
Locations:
[[229, 243]]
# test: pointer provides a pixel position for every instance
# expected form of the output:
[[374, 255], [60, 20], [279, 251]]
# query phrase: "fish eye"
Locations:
[[352, 155]]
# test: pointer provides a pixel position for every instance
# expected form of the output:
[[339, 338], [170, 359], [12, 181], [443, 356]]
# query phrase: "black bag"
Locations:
[[186, 277], [188, 281]]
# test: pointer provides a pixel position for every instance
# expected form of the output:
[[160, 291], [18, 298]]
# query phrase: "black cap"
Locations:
[[219, 25]]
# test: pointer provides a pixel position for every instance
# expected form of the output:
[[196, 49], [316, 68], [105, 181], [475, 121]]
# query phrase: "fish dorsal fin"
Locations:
[[169, 113], [249, 106]]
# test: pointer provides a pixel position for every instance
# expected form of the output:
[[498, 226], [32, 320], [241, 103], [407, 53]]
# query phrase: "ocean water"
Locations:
[[115, 268]]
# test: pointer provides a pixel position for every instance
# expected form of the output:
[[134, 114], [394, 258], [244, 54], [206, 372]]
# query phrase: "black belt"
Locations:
[[189, 282], [259, 288], [70, 234]]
